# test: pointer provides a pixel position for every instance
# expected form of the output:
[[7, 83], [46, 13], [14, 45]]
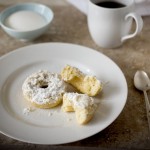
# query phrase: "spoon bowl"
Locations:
[[141, 81]]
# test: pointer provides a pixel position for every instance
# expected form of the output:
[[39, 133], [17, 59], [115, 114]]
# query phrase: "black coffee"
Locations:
[[110, 4]]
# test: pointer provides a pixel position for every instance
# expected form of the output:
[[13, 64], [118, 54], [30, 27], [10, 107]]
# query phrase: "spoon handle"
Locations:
[[147, 108]]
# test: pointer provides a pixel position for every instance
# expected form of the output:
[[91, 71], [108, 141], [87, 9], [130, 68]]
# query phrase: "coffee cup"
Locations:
[[110, 21]]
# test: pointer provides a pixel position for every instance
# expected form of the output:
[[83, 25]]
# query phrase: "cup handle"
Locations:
[[139, 25]]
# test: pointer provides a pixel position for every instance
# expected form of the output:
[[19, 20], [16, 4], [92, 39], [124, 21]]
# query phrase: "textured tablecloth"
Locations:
[[130, 129]]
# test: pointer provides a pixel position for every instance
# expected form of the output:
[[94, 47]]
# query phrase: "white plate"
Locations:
[[52, 126]]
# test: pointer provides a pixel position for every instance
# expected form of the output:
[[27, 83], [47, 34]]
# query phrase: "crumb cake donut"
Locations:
[[83, 105], [44, 89], [84, 83]]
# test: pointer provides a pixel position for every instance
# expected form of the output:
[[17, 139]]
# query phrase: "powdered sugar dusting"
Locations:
[[80, 100], [27, 110]]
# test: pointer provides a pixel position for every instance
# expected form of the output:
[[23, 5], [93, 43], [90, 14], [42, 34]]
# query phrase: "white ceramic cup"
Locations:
[[110, 27]]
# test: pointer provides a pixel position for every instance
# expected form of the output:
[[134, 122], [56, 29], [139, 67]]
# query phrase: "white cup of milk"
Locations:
[[26, 21], [110, 22]]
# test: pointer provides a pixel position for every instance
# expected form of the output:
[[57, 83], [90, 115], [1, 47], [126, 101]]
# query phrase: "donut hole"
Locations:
[[44, 85]]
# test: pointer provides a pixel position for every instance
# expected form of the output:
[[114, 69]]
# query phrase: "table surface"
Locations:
[[130, 129]]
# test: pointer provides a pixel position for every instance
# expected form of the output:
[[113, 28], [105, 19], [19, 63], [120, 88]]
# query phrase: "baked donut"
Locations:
[[44, 89], [84, 83], [83, 105]]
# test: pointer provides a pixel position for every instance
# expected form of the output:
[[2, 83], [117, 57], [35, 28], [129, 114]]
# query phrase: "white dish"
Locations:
[[53, 126]]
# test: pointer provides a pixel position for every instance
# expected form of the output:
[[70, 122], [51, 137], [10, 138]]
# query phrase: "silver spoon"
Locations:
[[142, 82]]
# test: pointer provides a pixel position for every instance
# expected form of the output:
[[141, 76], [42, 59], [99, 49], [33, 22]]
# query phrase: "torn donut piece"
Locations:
[[86, 84], [83, 106]]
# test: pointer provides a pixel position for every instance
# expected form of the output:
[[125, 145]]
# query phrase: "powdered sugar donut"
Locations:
[[44, 89]]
